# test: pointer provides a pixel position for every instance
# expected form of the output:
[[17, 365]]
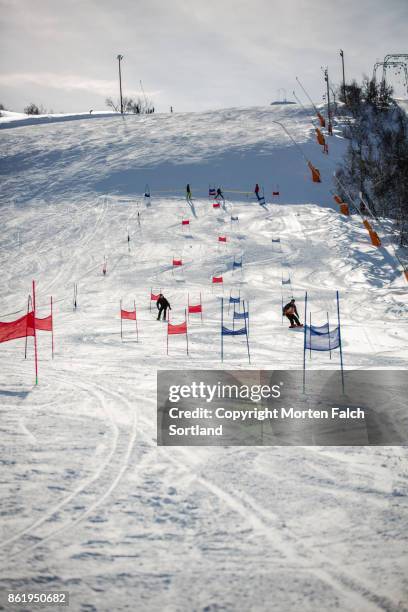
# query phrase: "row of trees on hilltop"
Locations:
[[139, 106], [376, 161]]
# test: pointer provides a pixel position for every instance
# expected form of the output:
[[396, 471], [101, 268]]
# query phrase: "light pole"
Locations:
[[120, 58], [344, 78], [326, 78]]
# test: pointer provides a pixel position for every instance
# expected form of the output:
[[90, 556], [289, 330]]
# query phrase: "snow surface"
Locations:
[[90, 504]]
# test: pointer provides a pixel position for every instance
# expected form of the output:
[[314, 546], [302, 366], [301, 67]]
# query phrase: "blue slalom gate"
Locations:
[[238, 315], [233, 300], [322, 338], [226, 331], [237, 264]]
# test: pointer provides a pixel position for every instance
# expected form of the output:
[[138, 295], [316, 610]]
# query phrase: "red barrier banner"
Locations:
[[128, 314], [217, 279], [222, 239], [181, 328], [20, 328], [177, 262]]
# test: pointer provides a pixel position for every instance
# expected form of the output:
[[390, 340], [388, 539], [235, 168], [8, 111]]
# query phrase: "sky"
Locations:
[[191, 54]]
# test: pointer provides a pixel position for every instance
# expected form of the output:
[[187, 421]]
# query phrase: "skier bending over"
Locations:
[[220, 194], [162, 305], [290, 311]]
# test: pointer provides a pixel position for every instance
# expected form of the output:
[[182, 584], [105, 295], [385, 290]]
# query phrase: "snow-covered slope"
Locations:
[[91, 505]]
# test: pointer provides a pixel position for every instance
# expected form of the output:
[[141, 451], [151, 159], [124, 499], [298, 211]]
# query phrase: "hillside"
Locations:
[[91, 504]]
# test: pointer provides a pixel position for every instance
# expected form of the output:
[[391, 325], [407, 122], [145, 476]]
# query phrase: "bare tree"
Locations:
[[130, 105]]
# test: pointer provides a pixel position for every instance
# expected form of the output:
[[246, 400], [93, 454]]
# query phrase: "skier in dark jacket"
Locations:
[[219, 195], [256, 190], [290, 311], [162, 305]]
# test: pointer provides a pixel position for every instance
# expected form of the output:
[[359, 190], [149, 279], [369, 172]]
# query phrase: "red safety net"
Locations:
[[193, 309], [154, 297], [177, 329], [22, 327], [177, 262], [222, 239], [185, 222], [217, 279], [216, 205], [128, 314], [44, 324]]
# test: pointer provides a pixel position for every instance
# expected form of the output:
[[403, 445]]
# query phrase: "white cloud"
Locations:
[[68, 83]]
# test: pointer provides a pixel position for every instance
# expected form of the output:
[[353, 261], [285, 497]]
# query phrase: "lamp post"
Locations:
[[120, 58], [344, 78]]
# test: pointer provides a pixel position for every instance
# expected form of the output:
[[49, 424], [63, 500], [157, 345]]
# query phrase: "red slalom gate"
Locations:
[[177, 262], [185, 222], [41, 324], [128, 315], [194, 308], [153, 298], [217, 279], [46, 324], [27, 326], [180, 328], [222, 239], [216, 205], [20, 328]]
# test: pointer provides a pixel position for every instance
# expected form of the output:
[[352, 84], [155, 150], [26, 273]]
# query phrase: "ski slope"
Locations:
[[90, 504]]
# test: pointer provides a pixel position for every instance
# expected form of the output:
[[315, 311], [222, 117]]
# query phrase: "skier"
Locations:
[[162, 305], [219, 194], [290, 311], [257, 191], [189, 195]]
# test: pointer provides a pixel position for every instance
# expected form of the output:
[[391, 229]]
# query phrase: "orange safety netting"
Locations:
[[315, 173], [375, 239], [320, 137]]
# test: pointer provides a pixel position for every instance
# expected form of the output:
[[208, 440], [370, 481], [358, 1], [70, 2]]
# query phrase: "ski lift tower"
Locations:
[[393, 60]]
